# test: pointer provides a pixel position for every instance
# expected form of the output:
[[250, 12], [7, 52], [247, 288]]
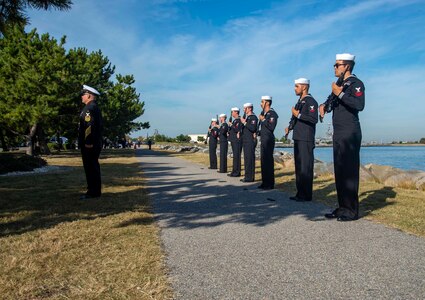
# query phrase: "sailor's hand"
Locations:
[[336, 89], [322, 110], [286, 131], [295, 112]]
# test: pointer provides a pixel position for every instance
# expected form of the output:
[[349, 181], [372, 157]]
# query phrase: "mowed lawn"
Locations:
[[403, 209], [55, 246]]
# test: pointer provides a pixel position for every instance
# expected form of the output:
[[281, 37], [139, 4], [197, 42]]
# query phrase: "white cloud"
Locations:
[[187, 78]]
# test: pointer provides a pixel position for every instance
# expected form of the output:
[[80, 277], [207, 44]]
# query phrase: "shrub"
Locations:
[[12, 162]]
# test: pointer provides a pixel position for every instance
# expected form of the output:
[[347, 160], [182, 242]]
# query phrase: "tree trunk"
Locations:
[[3, 141], [44, 149], [31, 139]]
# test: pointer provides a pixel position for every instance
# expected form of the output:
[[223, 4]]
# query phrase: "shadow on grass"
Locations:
[[34, 202], [325, 192], [180, 199]]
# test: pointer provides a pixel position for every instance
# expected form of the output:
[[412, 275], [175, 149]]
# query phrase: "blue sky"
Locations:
[[195, 59]]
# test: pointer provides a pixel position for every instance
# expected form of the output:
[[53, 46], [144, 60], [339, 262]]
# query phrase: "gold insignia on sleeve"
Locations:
[[88, 131]]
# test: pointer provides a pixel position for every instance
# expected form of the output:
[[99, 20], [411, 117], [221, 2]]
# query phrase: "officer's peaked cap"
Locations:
[[90, 89]]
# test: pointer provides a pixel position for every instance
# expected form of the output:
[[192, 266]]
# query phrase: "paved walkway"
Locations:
[[228, 240]]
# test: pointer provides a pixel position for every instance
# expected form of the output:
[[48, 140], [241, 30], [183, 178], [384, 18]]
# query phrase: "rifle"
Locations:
[[244, 116], [218, 120], [230, 119], [332, 100], [293, 119]]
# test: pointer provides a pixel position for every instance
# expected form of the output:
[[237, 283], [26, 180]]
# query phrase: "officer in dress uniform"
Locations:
[[90, 141], [212, 137], [348, 99], [249, 141], [235, 137], [303, 123], [223, 133], [268, 120]]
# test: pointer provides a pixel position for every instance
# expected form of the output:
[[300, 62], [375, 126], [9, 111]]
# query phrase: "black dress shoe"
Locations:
[[244, 180], [235, 175], [331, 215], [295, 198], [260, 186], [88, 196], [345, 219], [230, 174], [220, 172], [212, 168]]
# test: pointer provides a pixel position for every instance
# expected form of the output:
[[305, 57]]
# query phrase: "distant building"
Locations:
[[194, 137]]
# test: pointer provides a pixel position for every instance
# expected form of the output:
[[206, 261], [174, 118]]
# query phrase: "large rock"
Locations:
[[366, 175], [323, 168], [381, 173], [407, 179]]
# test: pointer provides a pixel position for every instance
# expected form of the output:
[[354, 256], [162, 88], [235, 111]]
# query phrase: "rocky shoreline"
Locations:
[[386, 175]]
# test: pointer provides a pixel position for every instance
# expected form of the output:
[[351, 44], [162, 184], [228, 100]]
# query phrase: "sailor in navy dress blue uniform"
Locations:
[[268, 120], [347, 101], [303, 123], [249, 141], [212, 137], [90, 141], [235, 137], [223, 134]]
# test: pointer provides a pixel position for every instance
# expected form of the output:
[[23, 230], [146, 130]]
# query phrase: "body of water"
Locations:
[[402, 157]]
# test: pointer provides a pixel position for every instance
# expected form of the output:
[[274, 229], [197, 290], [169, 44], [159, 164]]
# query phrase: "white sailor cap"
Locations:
[[222, 116], [248, 105], [90, 89], [266, 98], [234, 109], [213, 120], [302, 81], [345, 56]]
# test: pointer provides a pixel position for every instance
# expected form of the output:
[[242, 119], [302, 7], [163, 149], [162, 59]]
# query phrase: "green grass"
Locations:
[[55, 246], [400, 208]]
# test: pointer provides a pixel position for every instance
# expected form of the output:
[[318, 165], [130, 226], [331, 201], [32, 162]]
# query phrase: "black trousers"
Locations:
[[304, 168], [346, 152], [236, 149], [249, 160], [92, 170], [267, 161], [213, 153], [223, 156]]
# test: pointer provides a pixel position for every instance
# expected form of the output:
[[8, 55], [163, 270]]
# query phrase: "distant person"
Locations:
[[303, 123], [223, 133], [235, 131], [212, 136], [348, 98], [90, 141], [150, 144], [268, 120], [249, 141]]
